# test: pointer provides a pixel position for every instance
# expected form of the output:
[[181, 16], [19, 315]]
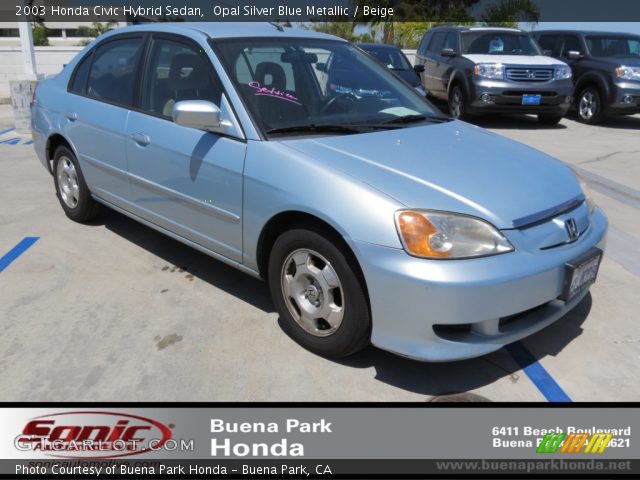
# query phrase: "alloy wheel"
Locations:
[[68, 186], [588, 106], [455, 105], [312, 292]]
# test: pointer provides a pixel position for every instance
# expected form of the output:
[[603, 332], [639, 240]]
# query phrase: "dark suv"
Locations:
[[497, 70], [606, 70]]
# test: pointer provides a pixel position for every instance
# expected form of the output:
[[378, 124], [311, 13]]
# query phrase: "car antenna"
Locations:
[[278, 26]]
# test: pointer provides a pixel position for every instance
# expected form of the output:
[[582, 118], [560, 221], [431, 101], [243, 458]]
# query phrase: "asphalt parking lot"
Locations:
[[114, 311]]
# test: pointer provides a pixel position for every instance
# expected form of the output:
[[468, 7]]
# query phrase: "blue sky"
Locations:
[[629, 27]]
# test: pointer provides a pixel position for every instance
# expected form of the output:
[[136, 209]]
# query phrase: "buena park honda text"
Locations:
[[297, 158]]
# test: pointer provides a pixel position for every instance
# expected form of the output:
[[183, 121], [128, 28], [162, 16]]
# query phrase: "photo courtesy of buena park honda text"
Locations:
[[328, 239]]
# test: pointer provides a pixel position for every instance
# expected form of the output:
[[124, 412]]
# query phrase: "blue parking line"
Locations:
[[11, 141], [7, 131], [537, 374], [16, 251]]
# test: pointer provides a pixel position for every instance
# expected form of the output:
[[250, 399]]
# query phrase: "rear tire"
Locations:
[[71, 189], [549, 119], [589, 106], [317, 292], [458, 103]]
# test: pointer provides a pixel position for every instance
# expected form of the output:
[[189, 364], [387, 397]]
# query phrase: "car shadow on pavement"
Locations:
[[189, 260], [432, 379], [456, 377]]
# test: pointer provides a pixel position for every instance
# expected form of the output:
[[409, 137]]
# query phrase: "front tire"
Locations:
[[549, 119], [590, 109], [458, 103], [318, 294], [71, 189]]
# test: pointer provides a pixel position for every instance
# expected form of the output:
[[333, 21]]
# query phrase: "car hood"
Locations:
[[617, 61], [530, 60], [452, 166]]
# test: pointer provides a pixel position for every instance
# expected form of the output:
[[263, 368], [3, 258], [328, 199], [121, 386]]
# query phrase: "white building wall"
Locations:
[[49, 60]]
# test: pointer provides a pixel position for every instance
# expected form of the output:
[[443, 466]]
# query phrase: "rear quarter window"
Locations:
[[80, 76]]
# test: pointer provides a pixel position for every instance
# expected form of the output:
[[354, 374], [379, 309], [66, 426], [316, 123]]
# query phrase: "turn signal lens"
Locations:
[[443, 235], [416, 232]]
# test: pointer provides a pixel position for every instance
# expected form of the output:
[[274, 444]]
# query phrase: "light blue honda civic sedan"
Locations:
[[297, 158]]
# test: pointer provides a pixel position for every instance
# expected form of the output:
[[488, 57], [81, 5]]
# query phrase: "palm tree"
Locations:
[[96, 29], [500, 12], [510, 12], [339, 29]]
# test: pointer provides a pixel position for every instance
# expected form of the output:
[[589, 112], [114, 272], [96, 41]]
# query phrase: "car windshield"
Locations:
[[297, 85], [498, 43], [613, 46], [391, 57]]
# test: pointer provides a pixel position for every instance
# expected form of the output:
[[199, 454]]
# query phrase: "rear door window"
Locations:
[[113, 71]]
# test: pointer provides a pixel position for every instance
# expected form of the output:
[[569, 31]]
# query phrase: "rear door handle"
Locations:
[[141, 139], [73, 116]]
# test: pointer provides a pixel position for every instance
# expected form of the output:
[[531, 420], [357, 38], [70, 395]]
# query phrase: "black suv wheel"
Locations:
[[457, 103], [590, 106]]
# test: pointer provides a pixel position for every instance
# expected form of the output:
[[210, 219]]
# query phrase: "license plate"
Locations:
[[531, 99], [580, 273]]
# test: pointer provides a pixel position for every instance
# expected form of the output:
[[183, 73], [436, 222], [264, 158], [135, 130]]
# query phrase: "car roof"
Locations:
[[219, 30], [587, 32]]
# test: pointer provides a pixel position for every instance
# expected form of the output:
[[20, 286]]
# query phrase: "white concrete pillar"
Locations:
[[28, 52], [23, 86]]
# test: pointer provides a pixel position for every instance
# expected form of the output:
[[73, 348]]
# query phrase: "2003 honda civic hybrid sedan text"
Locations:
[[296, 158]]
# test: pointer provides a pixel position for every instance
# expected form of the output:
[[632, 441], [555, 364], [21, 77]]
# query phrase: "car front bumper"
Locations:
[[497, 96], [625, 98], [413, 299]]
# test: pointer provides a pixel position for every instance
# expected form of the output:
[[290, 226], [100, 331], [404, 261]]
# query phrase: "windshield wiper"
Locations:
[[312, 128]]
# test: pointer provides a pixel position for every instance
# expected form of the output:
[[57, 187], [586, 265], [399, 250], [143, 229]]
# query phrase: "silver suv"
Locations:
[[498, 70]]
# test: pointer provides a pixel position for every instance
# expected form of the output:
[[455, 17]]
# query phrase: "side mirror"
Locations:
[[448, 52], [199, 114], [321, 66], [418, 68], [574, 55]]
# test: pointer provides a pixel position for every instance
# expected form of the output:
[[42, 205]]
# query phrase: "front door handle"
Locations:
[[73, 116], [141, 139]]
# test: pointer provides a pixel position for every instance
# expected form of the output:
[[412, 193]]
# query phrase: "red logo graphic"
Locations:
[[92, 435]]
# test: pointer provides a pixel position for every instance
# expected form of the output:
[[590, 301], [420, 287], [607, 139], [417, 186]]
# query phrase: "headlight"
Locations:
[[431, 234], [562, 72], [489, 70], [628, 73], [587, 193]]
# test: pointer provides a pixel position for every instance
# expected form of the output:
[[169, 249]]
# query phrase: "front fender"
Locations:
[[278, 179], [458, 76], [594, 78]]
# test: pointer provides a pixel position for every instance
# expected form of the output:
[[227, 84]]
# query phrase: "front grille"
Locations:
[[530, 74]]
